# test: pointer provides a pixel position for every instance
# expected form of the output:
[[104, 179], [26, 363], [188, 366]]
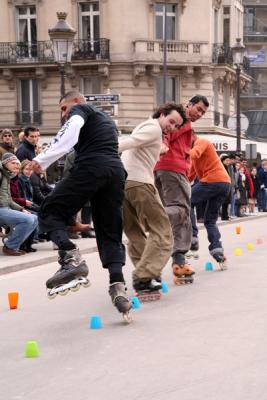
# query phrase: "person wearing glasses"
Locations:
[[6, 144]]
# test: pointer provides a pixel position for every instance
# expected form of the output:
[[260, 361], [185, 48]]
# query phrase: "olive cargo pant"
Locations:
[[148, 230]]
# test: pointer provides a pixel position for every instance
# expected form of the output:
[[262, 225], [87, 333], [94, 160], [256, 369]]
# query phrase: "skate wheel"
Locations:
[[127, 317], [75, 288], [63, 292], [51, 296], [86, 284]]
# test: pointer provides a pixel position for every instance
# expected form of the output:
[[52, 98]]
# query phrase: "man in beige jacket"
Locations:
[[146, 223]]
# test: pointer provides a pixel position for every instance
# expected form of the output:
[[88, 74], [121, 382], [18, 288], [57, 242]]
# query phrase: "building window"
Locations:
[[226, 26], [171, 21], [90, 85], [28, 102], [26, 31], [89, 21], [171, 89]]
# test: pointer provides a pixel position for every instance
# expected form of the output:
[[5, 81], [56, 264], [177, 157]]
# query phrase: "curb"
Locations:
[[36, 263]]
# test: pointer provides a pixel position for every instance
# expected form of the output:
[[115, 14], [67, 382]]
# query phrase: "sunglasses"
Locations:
[[7, 135]]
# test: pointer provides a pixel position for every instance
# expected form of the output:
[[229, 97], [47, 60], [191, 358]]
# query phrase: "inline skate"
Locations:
[[148, 290], [121, 301], [71, 276]]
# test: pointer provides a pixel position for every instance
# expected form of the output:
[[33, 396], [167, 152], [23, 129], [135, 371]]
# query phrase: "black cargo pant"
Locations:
[[104, 187]]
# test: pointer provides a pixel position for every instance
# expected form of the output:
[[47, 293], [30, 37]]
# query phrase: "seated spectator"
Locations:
[[40, 187], [27, 148], [26, 186], [12, 214], [6, 144], [18, 197]]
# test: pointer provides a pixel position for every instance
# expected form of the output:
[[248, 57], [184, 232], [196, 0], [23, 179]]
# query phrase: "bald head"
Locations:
[[69, 100]]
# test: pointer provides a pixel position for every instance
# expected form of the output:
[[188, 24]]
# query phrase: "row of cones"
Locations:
[[32, 347], [249, 245]]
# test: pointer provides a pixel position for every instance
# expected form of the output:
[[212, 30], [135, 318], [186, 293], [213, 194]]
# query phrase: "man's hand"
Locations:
[[35, 166], [29, 203], [26, 212]]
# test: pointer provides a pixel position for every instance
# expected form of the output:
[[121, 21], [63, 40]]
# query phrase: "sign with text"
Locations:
[[103, 98], [257, 57]]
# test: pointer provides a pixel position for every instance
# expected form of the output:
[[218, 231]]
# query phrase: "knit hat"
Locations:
[[9, 157]]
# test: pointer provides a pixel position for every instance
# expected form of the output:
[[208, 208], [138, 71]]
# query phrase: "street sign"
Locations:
[[244, 122], [251, 151], [103, 98]]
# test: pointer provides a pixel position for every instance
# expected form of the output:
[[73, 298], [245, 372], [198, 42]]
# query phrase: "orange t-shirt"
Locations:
[[206, 164]]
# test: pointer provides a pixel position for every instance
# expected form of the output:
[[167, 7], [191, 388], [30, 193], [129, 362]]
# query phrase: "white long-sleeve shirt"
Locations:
[[65, 139], [141, 151]]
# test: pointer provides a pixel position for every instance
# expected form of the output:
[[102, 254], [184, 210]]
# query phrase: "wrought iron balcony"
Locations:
[[28, 117], [41, 52], [222, 54]]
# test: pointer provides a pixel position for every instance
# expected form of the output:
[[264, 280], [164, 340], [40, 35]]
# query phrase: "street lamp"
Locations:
[[165, 54], [238, 51], [62, 36]]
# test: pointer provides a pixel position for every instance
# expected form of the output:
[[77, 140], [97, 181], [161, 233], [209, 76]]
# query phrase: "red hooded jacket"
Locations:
[[177, 158]]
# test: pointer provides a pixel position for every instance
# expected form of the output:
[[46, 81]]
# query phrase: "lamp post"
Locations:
[[165, 54], [62, 36], [238, 56]]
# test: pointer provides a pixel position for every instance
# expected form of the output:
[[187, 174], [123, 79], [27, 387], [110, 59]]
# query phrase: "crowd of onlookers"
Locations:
[[248, 193], [22, 192]]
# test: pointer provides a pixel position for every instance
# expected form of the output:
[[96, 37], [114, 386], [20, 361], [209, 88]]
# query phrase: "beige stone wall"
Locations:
[[123, 22]]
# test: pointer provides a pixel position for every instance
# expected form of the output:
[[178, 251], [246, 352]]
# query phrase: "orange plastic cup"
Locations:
[[238, 230], [13, 298]]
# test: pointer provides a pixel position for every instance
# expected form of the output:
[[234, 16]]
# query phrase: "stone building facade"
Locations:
[[119, 49]]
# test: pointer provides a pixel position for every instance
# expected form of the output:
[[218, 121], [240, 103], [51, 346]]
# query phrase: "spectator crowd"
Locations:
[[22, 191]]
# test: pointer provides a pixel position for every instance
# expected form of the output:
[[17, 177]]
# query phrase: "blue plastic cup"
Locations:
[[135, 303], [208, 266], [164, 287], [95, 322]]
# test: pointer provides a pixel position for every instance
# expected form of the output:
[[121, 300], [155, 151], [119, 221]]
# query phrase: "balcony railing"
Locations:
[[222, 54], [256, 90], [184, 52], [41, 52], [28, 117]]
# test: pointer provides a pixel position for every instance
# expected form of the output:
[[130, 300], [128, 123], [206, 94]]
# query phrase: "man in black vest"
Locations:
[[97, 176]]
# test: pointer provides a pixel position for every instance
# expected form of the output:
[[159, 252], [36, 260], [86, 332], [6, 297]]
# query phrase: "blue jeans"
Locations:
[[215, 194], [23, 225]]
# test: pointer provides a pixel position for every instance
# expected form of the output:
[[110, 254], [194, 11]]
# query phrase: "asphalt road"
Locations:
[[202, 341]]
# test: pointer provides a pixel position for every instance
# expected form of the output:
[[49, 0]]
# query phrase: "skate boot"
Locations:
[[120, 300], [182, 274], [193, 252], [148, 290], [70, 276], [220, 258]]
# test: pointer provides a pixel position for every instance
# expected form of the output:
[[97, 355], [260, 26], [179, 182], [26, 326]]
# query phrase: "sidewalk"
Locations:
[[46, 254]]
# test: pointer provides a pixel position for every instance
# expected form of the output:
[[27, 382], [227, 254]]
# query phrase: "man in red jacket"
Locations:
[[171, 176]]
